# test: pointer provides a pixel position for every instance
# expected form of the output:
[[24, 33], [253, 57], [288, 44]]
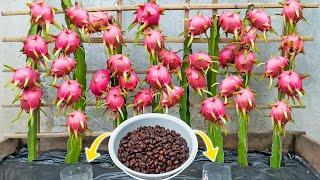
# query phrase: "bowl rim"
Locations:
[[192, 153]]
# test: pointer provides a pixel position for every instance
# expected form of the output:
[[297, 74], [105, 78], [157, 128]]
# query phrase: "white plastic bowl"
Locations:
[[153, 119]]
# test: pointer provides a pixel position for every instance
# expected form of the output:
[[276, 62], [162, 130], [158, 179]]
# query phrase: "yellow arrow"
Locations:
[[212, 151], [91, 153]]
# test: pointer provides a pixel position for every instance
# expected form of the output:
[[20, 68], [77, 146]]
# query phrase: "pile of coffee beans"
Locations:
[[153, 150]]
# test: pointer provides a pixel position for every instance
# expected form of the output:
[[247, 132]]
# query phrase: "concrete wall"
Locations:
[[171, 23]]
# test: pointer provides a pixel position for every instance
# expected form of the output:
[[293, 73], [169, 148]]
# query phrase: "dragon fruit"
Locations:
[[248, 38], [41, 13], [172, 97], [260, 20], [68, 92], [214, 110], [114, 99], [275, 66], [230, 85], [62, 66], [30, 99], [200, 61], [119, 64], [280, 113], [290, 83], [170, 60], [199, 25], [35, 47], [67, 41], [129, 81], [226, 55], [100, 82], [245, 100], [78, 16], [142, 99], [292, 11], [153, 41], [77, 122], [292, 45], [196, 79], [230, 22], [112, 37], [158, 76], [98, 20], [244, 61], [25, 78]]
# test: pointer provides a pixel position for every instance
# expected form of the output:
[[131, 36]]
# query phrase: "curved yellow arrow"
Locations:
[[91, 153], [212, 151]]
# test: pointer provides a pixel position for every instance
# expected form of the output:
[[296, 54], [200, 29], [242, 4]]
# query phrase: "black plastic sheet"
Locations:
[[49, 165]]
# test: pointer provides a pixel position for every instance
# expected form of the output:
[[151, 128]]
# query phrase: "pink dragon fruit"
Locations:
[[68, 92], [100, 82], [275, 66], [230, 22], [77, 122], [226, 55], [280, 113], [35, 47], [153, 41], [25, 78], [292, 11], [98, 20], [196, 79], [112, 37], [200, 61], [244, 61], [230, 85], [214, 110], [30, 99], [142, 99], [170, 60], [172, 97], [245, 100], [67, 41], [248, 37], [199, 25], [119, 64], [129, 81], [290, 83], [78, 16], [158, 76], [41, 13], [62, 66], [114, 99], [292, 45], [260, 20]]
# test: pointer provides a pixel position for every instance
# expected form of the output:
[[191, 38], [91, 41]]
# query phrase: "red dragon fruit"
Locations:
[[230, 22], [25, 78], [68, 92], [98, 20], [290, 83], [114, 99], [248, 37], [142, 100], [245, 100], [260, 20], [41, 13], [292, 45], [35, 47], [172, 97], [196, 79], [275, 66], [226, 55], [230, 85], [67, 41], [199, 25], [244, 61], [112, 37], [292, 11], [214, 110], [200, 61], [119, 64], [280, 113], [158, 76], [153, 41], [78, 16], [100, 82], [77, 122], [30, 99], [129, 81], [170, 60], [62, 66]]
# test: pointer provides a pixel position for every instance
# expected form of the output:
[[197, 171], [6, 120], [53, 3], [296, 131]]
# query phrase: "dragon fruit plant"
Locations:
[[292, 14]]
